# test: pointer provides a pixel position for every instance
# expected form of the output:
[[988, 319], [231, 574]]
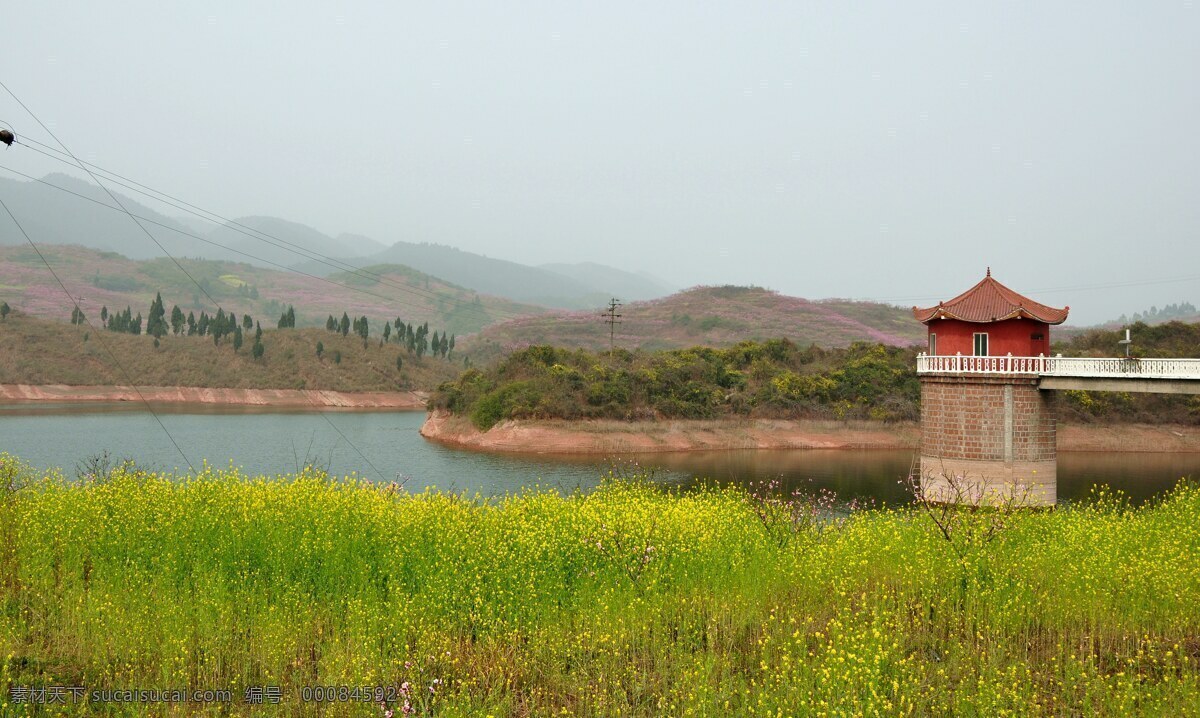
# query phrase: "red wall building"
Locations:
[[989, 319]]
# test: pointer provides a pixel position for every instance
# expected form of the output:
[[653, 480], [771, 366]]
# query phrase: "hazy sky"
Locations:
[[889, 150]]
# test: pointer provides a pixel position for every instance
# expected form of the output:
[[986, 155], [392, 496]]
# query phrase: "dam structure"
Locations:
[[988, 424]]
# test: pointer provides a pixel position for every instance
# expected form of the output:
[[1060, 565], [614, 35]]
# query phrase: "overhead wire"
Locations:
[[185, 272], [112, 196], [253, 233], [342, 266], [99, 337], [197, 237]]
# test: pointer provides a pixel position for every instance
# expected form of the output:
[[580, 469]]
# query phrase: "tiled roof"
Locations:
[[991, 301]]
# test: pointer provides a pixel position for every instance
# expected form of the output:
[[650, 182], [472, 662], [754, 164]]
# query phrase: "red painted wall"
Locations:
[[1011, 336]]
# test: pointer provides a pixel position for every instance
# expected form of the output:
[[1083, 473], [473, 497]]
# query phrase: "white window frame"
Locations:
[[933, 344], [976, 342]]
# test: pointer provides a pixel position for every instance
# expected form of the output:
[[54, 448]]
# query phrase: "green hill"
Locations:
[[98, 278], [759, 379], [708, 316], [40, 351]]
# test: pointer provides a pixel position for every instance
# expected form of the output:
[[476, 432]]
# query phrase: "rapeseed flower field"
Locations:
[[626, 601]]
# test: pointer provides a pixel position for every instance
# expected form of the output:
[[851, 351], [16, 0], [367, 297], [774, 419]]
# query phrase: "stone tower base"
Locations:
[[988, 439]]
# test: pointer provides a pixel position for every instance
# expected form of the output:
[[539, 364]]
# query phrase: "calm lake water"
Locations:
[[272, 442]]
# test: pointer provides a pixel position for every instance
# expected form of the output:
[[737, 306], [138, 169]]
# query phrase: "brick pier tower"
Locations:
[[987, 431]]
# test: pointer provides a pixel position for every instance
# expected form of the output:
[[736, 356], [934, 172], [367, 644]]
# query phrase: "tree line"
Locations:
[[415, 339], [157, 324]]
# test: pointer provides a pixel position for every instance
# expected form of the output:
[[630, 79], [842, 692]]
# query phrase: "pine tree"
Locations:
[[191, 323], [216, 327], [103, 315], [237, 339], [345, 324], [450, 346], [4, 310], [331, 324], [257, 350], [247, 322], [176, 320], [399, 362], [291, 317], [387, 332], [257, 332], [320, 349], [156, 325], [202, 325], [136, 328]]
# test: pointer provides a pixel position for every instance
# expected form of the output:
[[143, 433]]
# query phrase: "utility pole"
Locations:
[[611, 316]]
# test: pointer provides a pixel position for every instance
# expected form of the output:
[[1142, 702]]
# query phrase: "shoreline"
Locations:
[[606, 436], [283, 398]]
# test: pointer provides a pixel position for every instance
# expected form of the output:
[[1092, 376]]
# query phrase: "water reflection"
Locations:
[[386, 446]]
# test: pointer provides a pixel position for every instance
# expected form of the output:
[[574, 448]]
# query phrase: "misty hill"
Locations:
[[626, 286], [359, 245], [709, 316], [81, 213], [110, 279], [277, 242], [62, 209], [1182, 311], [576, 289]]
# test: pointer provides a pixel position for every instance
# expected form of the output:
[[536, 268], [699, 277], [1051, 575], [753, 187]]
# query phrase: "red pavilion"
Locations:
[[989, 319]]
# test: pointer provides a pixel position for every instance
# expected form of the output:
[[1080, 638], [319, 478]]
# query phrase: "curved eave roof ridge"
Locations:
[[991, 301]]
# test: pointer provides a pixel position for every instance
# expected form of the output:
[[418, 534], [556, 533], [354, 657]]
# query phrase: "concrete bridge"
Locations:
[[988, 422], [1156, 376]]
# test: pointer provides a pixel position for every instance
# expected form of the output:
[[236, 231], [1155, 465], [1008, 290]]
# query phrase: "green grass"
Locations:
[[627, 601]]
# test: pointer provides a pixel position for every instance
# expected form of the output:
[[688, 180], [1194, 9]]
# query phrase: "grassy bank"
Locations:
[[39, 351], [625, 601]]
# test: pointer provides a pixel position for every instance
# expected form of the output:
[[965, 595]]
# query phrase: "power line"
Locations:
[[479, 313], [250, 232], [110, 194], [99, 338]]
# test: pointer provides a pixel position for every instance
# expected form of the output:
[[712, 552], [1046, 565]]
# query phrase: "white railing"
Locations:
[[1139, 368], [1061, 366], [959, 364]]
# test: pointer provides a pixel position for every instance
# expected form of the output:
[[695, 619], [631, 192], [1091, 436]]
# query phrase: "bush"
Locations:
[[772, 378]]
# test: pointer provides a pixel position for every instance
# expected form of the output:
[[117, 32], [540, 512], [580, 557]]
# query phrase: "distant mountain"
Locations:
[[72, 211], [626, 286], [90, 218], [195, 225], [380, 292], [497, 277], [358, 245], [708, 316], [277, 242]]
